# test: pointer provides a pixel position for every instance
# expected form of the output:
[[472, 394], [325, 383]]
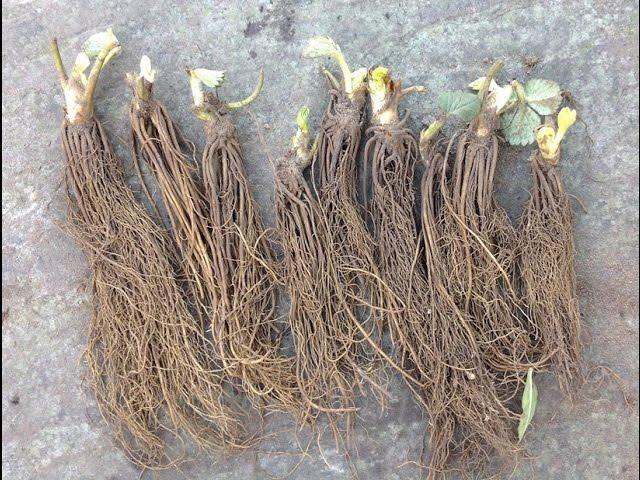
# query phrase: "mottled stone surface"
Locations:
[[50, 426]]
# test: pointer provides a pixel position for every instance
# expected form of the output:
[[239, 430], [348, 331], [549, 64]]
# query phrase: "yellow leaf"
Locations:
[[545, 136], [477, 84], [380, 75], [566, 118], [303, 119]]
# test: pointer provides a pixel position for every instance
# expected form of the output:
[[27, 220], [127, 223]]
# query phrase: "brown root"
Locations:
[[546, 272], [469, 423], [477, 243], [145, 352], [432, 338], [244, 325], [352, 247], [325, 333], [392, 152], [158, 142]]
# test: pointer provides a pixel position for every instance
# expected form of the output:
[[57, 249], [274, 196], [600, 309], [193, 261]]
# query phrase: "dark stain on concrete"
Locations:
[[283, 18], [286, 27], [253, 28]]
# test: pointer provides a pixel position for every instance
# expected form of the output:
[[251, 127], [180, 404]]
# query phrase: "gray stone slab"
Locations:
[[50, 426]]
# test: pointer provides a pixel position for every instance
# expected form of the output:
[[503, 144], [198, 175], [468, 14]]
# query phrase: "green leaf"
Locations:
[[519, 124], [322, 46], [529, 403], [302, 119], [462, 104], [544, 96]]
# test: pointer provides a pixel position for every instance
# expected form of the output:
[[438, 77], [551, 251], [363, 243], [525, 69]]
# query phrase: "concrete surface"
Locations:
[[50, 426]]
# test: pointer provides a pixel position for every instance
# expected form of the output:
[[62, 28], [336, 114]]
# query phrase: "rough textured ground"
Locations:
[[50, 427]]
